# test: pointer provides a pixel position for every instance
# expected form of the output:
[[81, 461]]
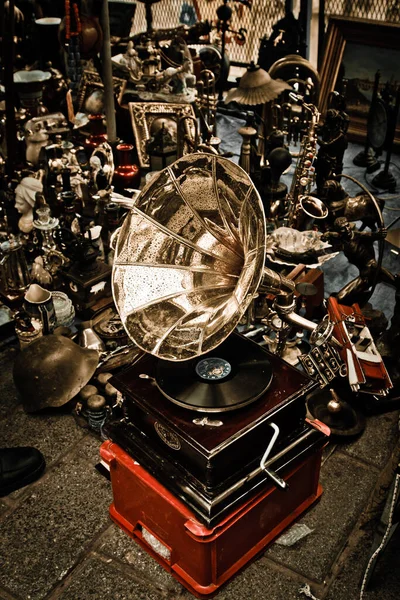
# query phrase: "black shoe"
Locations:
[[18, 467]]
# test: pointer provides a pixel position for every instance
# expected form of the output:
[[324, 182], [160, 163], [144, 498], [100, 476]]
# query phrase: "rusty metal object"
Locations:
[[51, 371]]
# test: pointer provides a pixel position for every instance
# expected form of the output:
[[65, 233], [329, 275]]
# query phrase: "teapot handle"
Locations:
[[45, 319]]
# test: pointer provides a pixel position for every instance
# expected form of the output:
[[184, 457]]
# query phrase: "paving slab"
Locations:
[[89, 447], [8, 399], [377, 441], [117, 544], [53, 434], [100, 580], [347, 486], [5, 596], [3, 507], [385, 582], [262, 581], [50, 529]]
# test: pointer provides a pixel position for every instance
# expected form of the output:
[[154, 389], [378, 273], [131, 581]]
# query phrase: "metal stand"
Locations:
[[107, 76], [386, 180]]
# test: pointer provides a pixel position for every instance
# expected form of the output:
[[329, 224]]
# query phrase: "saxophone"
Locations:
[[303, 208]]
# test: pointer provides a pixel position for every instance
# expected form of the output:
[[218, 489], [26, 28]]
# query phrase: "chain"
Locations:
[[306, 590], [78, 24]]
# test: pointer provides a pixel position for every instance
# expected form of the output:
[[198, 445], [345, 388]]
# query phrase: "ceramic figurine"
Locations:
[[132, 62], [25, 197], [35, 140], [39, 273]]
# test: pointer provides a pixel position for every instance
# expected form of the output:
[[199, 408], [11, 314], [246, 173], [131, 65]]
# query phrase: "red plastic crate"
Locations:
[[204, 559]]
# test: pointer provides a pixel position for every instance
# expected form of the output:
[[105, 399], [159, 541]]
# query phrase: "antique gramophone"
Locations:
[[203, 401], [212, 426]]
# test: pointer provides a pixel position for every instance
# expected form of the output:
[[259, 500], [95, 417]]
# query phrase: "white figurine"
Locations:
[[132, 62], [25, 197]]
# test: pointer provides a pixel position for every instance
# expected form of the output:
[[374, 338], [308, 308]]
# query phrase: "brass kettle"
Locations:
[[14, 272]]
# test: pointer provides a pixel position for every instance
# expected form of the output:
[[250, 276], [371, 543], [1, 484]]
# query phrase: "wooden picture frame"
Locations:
[[143, 114], [361, 46], [91, 81]]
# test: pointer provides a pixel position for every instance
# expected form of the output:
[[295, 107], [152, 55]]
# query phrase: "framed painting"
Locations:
[[146, 118], [91, 90], [355, 50]]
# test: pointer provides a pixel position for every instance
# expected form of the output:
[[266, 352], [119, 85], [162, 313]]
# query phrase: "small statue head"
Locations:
[[25, 194], [343, 226]]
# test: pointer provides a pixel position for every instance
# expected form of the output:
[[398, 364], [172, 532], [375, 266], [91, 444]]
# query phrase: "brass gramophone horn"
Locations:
[[189, 257]]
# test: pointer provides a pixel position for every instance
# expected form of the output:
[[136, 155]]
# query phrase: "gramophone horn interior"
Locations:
[[189, 257]]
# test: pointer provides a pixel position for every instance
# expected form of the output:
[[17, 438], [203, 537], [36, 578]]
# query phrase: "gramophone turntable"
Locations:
[[210, 415], [200, 455]]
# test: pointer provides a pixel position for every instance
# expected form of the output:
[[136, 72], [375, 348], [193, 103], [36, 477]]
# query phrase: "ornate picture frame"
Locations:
[[143, 114], [91, 81], [368, 46]]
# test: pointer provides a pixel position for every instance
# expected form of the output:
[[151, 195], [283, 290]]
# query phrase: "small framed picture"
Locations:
[[148, 117], [91, 92]]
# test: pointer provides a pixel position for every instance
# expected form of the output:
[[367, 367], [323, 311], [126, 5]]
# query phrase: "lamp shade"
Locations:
[[256, 87]]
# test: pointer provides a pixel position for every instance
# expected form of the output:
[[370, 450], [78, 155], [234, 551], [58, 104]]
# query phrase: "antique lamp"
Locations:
[[256, 86], [29, 86]]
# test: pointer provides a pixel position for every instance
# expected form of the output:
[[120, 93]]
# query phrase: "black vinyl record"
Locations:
[[229, 377]]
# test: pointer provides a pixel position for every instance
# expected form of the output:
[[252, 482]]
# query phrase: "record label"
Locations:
[[212, 369], [237, 373]]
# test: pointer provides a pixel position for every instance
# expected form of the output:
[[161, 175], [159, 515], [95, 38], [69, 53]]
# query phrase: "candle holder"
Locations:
[[46, 224], [29, 86], [127, 174]]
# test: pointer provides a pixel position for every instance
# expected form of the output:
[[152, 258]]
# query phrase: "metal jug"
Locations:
[[14, 272], [38, 303]]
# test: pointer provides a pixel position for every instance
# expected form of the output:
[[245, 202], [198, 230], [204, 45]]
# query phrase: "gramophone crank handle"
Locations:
[[274, 476], [276, 479]]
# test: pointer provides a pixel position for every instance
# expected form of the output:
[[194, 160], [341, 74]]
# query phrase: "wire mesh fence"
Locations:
[[377, 10], [258, 21]]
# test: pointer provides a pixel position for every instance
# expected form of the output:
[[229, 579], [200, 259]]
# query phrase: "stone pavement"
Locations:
[[57, 541]]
